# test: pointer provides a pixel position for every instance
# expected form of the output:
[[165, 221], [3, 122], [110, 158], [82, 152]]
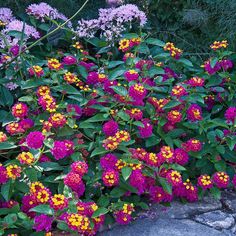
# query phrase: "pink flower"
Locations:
[[110, 128], [181, 157], [59, 150], [69, 60], [35, 140], [110, 178], [20, 110], [79, 167], [75, 182], [205, 182], [145, 131], [230, 114], [108, 161], [194, 113], [3, 174], [137, 92], [43, 222], [192, 145], [122, 218], [131, 75], [76, 109], [137, 180], [221, 179], [157, 194]]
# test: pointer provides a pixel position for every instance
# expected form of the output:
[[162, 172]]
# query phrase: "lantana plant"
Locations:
[[93, 132]]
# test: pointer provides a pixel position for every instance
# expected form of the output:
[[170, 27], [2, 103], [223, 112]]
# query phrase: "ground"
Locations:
[[208, 217]]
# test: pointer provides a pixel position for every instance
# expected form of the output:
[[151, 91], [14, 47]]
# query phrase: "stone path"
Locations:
[[208, 217]]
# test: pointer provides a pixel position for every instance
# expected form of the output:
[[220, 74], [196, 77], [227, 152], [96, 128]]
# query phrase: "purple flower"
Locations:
[[108, 161], [42, 11], [43, 222], [111, 22], [226, 64], [17, 25], [6, 15], [230, 114], [145, 131], [35, 140]]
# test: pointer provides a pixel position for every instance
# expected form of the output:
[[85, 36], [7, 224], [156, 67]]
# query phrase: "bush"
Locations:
[[93, 130]]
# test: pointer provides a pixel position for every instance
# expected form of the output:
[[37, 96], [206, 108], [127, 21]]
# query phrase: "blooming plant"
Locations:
[[92, 134]]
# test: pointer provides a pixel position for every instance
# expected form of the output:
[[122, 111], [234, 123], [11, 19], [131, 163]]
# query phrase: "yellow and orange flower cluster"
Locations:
[[54, 64], [174, 51], [26, 158], [112, 142], [219, 44], [13, 171], [126, 44], [3, 137]]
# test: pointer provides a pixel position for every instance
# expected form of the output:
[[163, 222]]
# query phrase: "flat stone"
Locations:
[[216, 219], [178, 210], [163, 227]]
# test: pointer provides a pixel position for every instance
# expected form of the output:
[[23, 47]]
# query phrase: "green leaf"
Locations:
[[98, 151], [220, 165], [6, 191], [83, 72], [31, 174], [63, 226], [215, 193], [67, 89], [177, 167], [171, 104], [156, 42], [103, 201], [7, 145], [143, 205], [117, 192], [123, 115], [113, 64], [99, 212], [126, 172], [86, 125], [116, 73], [120, 90], [6, 98], [48, 166], [25, 99], [14, 209], [96, 118], [166, 186], [186, 62], [45, 209]]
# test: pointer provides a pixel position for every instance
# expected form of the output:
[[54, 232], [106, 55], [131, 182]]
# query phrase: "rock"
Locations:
[[163, 227], [179, 210], [216, 219]]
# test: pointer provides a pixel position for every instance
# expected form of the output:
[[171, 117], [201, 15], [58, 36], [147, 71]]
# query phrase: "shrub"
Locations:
[[94, 131]]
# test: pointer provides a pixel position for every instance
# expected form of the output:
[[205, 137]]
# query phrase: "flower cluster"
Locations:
[[174, 51], [111, 22]]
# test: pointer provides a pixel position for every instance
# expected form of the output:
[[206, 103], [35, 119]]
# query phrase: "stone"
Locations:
[[216, 219], [178, 210], [163, 227]]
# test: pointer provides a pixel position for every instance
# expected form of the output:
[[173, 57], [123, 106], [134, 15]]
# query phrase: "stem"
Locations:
[[45, 36]]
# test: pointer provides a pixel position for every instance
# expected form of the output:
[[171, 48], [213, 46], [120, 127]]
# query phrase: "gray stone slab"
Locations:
[[216, 219], [178, 210], [163, 227]]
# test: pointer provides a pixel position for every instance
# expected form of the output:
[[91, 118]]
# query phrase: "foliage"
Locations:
[[93, 131]]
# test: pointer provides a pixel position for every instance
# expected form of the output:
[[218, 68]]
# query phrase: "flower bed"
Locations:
[[93, 131]]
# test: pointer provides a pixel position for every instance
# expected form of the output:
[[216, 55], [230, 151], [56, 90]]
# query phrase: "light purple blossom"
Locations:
[[11, 86], [42, 11], [6, 15], [17, 25], [111, 22]]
